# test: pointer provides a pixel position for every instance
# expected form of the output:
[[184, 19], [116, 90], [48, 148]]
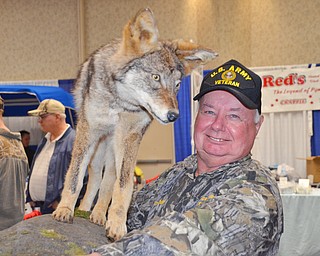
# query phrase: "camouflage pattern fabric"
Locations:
[[235, 210]]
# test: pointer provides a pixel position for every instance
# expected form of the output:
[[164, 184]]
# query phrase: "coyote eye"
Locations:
[[178, 83], [155, 77]]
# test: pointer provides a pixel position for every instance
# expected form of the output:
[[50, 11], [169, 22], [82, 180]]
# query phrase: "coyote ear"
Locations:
[[193, 55], [141, 34]]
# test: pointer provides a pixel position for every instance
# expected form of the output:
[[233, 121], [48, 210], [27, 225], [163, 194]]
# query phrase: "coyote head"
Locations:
[[152, 69]]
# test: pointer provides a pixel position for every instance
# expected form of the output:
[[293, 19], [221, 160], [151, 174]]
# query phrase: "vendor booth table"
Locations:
[[301, 225]]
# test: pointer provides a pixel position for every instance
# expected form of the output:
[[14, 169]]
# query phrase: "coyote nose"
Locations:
[[172, 116]]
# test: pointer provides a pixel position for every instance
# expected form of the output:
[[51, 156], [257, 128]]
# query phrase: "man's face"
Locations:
[[25, 140], [224, 130], [47, 122]]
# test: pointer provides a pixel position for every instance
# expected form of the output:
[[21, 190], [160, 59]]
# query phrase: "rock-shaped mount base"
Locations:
[[42, 235]]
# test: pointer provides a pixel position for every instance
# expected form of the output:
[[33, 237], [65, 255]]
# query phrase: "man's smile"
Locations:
[[216, 139]]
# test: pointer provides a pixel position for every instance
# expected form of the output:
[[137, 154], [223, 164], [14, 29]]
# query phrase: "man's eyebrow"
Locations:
[[207, 105], [235, 109]]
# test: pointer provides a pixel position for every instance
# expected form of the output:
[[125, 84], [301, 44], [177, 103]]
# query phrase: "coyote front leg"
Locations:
[[123, 188], [98, 215], [95, 173], [81, 155]]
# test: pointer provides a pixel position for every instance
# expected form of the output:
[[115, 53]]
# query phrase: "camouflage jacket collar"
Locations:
[[191, 164]]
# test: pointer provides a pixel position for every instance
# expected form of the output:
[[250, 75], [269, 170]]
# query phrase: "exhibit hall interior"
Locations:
[[50, 48]]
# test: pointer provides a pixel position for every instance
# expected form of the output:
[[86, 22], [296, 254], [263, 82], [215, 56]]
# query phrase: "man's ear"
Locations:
[[258, 125]]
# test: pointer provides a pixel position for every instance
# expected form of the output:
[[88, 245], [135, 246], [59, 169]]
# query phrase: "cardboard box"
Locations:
[[313, 168]]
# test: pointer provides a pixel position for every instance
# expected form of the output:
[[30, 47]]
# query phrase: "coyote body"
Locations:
[[118, 92]]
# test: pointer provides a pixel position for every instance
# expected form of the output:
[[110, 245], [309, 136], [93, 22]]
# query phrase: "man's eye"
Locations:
[[233, 117], [209, 112]]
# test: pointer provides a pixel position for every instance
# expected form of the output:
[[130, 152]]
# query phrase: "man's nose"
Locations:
[[218, 123]]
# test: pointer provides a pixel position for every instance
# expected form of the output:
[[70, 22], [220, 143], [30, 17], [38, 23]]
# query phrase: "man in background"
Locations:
[[25, 138], [52, 157], [13, 173]]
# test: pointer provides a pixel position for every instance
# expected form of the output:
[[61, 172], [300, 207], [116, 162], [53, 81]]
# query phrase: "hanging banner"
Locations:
[[290, 88]]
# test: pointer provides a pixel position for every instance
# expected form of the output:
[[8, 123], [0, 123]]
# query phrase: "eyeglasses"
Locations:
[[41, 117]]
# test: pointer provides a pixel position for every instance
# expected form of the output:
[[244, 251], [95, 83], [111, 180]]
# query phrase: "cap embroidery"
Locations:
[[228, 75], [227, 78], [240, 71]]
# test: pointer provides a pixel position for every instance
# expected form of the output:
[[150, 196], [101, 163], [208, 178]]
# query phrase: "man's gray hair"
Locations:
[[257, 117], [62, 115]]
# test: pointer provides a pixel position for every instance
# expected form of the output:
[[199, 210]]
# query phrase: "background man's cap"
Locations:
[[235, 78], [48, 106]]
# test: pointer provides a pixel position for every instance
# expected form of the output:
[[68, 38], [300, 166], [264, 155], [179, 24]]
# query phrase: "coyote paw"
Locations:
[[98, 217], [115, 230], [63, 214]]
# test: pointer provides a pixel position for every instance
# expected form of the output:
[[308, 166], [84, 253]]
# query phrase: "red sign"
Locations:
[[289, 88]]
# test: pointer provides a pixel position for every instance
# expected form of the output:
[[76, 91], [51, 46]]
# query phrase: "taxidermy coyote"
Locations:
[[118, 92]]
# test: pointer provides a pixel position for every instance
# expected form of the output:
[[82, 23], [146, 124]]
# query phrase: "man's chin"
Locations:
[[216, 158]]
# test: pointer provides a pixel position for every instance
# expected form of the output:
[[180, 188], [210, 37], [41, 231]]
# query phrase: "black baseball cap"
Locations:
[[236, 79]]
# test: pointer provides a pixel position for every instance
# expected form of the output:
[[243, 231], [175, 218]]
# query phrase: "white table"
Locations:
[[301, 225]]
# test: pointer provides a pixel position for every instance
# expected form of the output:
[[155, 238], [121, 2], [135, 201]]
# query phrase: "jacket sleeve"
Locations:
[[244, 221]]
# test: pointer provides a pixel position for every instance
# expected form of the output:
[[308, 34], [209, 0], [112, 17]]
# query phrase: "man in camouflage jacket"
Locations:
[[218, 201]]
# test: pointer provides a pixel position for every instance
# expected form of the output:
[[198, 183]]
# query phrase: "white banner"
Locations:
[[290, 88]]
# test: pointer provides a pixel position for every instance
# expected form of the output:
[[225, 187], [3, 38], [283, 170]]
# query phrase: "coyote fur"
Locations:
[[120, 88]]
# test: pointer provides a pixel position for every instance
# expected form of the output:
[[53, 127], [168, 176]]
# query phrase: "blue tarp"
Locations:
[[182, 127], [19, 99], [315, 139]]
